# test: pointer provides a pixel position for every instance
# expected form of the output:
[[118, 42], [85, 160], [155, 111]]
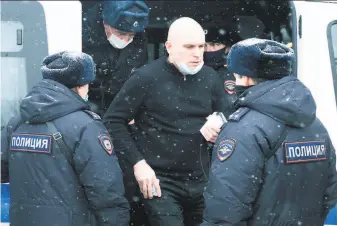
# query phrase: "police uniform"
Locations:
[[218, 61], [58, 156], [114, 66], [273, 163]]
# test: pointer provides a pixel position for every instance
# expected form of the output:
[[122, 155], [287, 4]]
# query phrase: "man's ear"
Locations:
[[168, 46]]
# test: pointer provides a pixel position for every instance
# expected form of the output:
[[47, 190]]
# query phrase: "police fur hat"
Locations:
[[69, 68], [127, 16], [216, 35], [260, 58]]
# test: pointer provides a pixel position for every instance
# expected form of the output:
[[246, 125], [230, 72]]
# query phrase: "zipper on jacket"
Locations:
[[184, 77]]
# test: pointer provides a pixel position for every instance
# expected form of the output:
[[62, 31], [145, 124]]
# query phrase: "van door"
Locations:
[[31, 30], [316, 63], [316, 57]]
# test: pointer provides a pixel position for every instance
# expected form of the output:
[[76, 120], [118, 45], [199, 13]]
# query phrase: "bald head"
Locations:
[[184, 28], [185, 42]]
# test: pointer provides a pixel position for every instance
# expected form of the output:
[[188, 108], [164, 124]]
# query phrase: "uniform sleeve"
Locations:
[[100, 175], [122, 110], [5, 145], [331, 191], [234, 179], [220, 100], [4, 156]]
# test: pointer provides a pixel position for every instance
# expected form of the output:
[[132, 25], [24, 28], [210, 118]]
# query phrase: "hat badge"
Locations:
[[135, 24]]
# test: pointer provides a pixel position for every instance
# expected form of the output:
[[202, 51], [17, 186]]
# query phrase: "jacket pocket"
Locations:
[[35, 215]]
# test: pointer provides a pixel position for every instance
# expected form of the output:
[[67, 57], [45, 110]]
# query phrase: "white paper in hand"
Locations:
[[216, 120]]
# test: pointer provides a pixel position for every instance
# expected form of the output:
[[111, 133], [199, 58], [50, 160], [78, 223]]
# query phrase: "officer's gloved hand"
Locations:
[[147, 180]]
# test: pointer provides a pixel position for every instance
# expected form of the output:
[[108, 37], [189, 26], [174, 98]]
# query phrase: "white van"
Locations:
[[30, 30]]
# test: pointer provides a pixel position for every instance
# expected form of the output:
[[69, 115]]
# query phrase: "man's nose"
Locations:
[[198, 52]]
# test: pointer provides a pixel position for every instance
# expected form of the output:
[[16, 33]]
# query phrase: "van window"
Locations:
[[332, 37], [23, 46]]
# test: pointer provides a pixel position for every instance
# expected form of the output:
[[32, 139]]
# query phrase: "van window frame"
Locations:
[[332, 56], [294, 31]]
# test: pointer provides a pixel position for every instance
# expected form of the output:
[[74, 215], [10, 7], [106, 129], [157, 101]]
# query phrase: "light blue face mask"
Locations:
[[189, 71]]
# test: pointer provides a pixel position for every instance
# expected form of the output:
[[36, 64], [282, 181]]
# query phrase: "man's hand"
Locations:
[[146, 179], [210, 133], [132, 122], [211, 128]]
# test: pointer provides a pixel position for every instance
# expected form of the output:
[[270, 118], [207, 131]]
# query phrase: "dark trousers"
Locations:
[[181, 203], [133, 195]]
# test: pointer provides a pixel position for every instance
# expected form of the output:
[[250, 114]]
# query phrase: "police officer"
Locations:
[[58, 156], [273, 163], [218, 43], [113, 34]]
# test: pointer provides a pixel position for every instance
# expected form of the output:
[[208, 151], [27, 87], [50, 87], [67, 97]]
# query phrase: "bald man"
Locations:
[[170, 100]]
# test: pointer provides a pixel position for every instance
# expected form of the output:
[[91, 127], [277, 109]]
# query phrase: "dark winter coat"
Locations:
[[46, 187], [273, 163], [113, 66], [169, 111]]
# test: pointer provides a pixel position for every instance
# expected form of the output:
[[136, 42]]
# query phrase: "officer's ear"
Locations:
[[81, 90], [247, 81], [76, 89], [250, 81]]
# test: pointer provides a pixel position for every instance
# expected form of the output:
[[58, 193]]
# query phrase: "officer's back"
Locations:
[[61, 164], [273, 163]]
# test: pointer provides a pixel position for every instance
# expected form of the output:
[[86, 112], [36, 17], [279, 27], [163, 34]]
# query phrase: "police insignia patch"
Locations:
[[225, 148], [106, 143], [230, 87]]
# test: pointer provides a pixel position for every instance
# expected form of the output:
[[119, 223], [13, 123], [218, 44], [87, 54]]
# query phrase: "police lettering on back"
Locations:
[[31, 143], [305, 151], [58, 144]]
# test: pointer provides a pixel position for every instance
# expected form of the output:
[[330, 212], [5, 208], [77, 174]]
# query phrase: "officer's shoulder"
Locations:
[[81, 119], [251, 116], [89, 120], [93, 115], [239, 114]]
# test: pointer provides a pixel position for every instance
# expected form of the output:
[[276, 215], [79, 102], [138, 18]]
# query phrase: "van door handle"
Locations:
[[19, 37]]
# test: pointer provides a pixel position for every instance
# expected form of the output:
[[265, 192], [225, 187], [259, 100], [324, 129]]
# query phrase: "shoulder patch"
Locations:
[[93, 115], [225, 148], [38, 143], [106, 143], [238, 114], [229, 86], [308, 151]]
